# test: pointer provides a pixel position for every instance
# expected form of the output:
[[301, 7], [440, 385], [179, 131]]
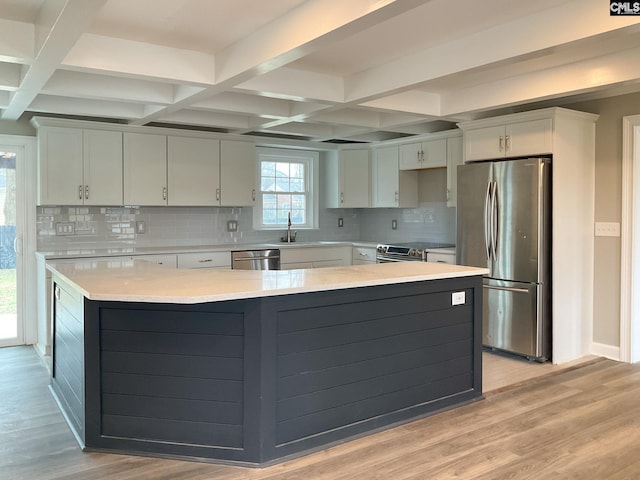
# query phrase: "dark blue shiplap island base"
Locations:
[[252, 378]]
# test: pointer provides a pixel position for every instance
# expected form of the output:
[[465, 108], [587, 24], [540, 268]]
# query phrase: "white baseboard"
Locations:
[[603, 350]]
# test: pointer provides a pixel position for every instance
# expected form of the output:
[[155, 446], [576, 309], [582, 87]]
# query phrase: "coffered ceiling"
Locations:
[[322, 70]]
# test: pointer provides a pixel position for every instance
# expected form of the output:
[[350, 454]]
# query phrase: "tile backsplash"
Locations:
[[113, 227]]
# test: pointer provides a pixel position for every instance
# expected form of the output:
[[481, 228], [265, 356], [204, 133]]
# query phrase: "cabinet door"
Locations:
[[355, 179], [454, 158], [386, 177], [410, 156], [237, 173], [145, 169], [484, 143], [60, 166], [434, 153], [529, 138], [102, 167], [193, 171]]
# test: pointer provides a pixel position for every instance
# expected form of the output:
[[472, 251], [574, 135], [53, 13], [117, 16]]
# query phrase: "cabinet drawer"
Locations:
[[205, 260], [441, 258], [363, 255]]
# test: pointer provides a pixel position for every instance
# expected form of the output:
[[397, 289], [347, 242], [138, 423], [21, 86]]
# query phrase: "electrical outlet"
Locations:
[[232, 226], [607, 229], [140, 227], [65, 228], [394, 224], [340, 222], [457, 298]]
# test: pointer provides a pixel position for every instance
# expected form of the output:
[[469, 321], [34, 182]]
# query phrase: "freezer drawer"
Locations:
[[515, 318]]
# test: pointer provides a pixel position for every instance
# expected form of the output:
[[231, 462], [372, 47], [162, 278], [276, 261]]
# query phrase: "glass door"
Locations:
[[11, 325]]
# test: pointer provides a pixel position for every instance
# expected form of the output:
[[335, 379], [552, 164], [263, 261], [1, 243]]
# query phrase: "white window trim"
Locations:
[[312, 157]]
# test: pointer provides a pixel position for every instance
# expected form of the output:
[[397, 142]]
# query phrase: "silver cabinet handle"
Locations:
[[507, 143], [56, 292], [164, 193], [494, 221], [363, 254], [396, 194], [500, 143], [80, 192], [86, 192], [205, 260], [253, 194], [341, 197], [217, 193]]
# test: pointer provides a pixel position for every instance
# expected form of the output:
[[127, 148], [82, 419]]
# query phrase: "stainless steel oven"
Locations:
[[406, 252]]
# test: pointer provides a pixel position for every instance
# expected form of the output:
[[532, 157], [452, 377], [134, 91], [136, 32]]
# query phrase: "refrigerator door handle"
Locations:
[[507, 289], [494, 221], [487, 221]]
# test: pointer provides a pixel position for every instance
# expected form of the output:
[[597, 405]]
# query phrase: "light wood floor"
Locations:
[[581, 423]]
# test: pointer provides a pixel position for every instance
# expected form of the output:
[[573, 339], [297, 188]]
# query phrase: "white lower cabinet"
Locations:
[[363, 255], [314, 257], [220, 260]]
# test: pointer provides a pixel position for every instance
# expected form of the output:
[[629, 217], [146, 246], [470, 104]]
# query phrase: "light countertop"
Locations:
[[138, 281], [92, 252]]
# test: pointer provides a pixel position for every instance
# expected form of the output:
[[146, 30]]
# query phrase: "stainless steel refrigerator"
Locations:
[[504, 224]]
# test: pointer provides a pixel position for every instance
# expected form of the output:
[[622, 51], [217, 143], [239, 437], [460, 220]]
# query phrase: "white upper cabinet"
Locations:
[[426, 154], [517, 139], [454, 158], [193, 171], [348, 179], [102, 167], [237, 173], [392, 187], [145, 169], [79, 167]]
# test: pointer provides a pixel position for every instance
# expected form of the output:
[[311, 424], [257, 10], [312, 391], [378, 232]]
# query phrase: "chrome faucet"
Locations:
[[289, 238]]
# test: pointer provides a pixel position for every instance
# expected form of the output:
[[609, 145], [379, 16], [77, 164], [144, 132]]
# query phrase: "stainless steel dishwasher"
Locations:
[[267, 259]]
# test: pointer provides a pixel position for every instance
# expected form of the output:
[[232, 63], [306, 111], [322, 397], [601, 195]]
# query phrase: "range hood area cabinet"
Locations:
[[347, 178], [568, 137], [79, 167]]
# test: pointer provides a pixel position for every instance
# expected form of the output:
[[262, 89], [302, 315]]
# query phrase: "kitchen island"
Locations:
[[252, 367]]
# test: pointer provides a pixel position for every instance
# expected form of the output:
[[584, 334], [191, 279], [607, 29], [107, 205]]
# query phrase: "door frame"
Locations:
[[630, 241], [26, 175]]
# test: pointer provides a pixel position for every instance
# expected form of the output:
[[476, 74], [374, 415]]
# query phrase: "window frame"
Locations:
[[311, 160]]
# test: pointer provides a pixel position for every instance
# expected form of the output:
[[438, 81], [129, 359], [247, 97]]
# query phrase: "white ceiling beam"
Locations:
[[101, 87], [297, 85], [298, 128], [534, 33], [142, 60], [58, 27], [413, 101], [209, 119], [249, 104], [571, 79], [9, 76], [4, 99], [310, 26], [17, 41], [94, 108], [350, 116]]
